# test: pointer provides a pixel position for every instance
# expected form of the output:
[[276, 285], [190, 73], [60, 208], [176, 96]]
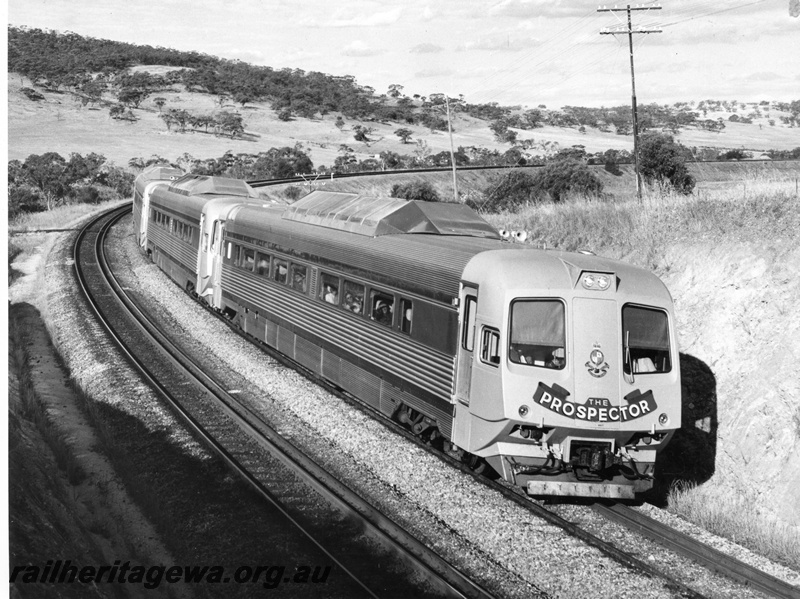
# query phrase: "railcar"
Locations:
[[556, 371]]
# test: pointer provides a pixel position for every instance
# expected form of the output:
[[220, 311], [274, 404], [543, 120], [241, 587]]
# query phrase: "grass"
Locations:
[[641, 232], [736, 516], [34, 409], [57, 218]]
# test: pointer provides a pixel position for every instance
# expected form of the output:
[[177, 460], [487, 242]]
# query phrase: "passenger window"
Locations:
[[468, 334], [299, 277], [281, 273], [381, 307], [230, 249], [645, 340], [249, 259], [406, 315], [329, 290], [353, 297], [537, 334], [490, 346], [262, 264]]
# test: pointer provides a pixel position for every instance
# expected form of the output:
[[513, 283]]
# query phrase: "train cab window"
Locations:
[[537, 334], [299, 277], [490, 346], [381, 307], [645, 340], [281, 272], [406, 315], [353, 297], [262, 264], [249, 259], [329, 290]]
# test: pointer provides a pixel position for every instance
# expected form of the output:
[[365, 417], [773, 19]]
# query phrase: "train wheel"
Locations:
[[476, 464]]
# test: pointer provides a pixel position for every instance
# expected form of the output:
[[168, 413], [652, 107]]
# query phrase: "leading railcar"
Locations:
[[556, 371]]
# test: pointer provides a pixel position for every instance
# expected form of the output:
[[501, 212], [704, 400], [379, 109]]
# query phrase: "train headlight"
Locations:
[[663, 419], [596, 281], [523, 411]]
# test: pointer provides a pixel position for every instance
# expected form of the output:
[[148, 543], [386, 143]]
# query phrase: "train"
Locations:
[[555, 371]]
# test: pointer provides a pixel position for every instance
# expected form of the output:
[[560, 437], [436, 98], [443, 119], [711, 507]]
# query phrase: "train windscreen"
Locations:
[[537, 333]]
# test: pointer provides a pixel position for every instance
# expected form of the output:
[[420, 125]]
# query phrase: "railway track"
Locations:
[[233, 432], [682, 544]]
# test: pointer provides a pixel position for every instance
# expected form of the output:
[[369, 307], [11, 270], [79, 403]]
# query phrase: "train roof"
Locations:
[[157, 173], [191, 185], [377, 216]]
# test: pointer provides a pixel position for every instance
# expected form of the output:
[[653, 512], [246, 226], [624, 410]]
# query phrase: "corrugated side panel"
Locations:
[[396, 354], [365, 386], [181, 252], [307, 353]]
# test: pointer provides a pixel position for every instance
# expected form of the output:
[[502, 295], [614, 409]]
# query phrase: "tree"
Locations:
[[568, 175], [395, 90], [415, 190], [509, 191], [46, 172], [663, 161], [404, 134], [160, 102]]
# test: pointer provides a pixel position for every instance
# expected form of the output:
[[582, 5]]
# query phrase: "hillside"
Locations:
[[60, 123]]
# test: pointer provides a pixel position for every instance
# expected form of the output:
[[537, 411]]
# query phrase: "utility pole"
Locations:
[[630, 31], [452, 152]]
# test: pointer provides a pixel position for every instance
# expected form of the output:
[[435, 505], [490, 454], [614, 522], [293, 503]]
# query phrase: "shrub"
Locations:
[[510, 191], [568, 175], [422, 191], [663, 161]]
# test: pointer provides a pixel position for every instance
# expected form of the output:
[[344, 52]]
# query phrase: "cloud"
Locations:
[[434, 72], [360, 49], [426, 49], [500, 43], [364, 19], [528, 9]]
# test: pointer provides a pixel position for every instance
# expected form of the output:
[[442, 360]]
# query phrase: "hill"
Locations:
[[61, 123]]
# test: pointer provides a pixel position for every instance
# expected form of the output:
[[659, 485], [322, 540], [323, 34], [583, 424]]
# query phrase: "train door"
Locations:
[[209, 255], [144, 215], [466, 346], [597, 368]]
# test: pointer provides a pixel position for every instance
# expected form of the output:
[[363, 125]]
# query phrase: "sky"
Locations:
[[513, 52]]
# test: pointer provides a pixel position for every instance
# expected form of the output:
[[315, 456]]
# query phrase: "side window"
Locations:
[[249, 259], [299, 277], [381, 307], [353, 297], [468, 334], [490, 346], [281, 273], [229, 253], [262, 264], [329, 290], [406, 315]]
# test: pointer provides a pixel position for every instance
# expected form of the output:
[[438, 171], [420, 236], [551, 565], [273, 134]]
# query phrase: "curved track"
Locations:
[[635, 521], [100, 287]]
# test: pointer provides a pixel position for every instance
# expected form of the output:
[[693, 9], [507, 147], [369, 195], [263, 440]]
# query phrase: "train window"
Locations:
[[262, 264], [281, 272], [537, 333], [468, 334], [353, 297], [382, 307], [329, 290], [406, 314], [645, 340], [230, 249], [490, 346], [299, 277], [249, 259]]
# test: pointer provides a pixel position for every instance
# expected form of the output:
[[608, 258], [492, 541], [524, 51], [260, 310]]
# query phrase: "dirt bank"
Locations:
[[736, 310]]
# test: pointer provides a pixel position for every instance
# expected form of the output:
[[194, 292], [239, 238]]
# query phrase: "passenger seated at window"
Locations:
[[353, 303], [382, 312], [262, 266], [281, 270], [299, 279], [331, 294]]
